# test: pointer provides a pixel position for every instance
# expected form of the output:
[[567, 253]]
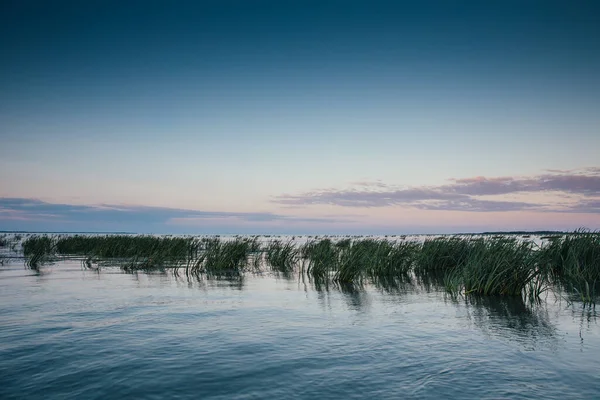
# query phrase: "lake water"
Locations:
[[72, 333]]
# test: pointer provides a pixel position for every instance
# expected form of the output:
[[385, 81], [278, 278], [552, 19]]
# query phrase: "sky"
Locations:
[[299, 117]]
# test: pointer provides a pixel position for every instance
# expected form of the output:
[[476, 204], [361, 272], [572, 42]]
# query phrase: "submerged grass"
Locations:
[[142, 251], [281, 257], [319, 258], [373, 258], [497, 266], [38, 245], [148, 252], [38, 249], [216, 256], [443, 254], [573, 261], [351, 261], [490, 265]]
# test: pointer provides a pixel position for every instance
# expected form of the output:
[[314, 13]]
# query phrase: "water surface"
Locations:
[[73, 333]]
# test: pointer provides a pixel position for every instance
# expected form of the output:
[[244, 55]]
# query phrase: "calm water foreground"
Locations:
[[72, 333]]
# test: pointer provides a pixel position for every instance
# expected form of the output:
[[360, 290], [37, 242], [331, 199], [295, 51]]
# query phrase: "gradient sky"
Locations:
[[299, 116]]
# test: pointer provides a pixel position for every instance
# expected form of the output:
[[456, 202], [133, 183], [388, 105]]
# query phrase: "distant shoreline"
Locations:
[[303, 234], [87, 232]]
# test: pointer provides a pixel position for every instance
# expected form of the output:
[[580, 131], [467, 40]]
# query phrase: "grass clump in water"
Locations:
[[282, 257], [393, 259], [573, 261], [134, 252], [38, 249], [349, 261], [124, 246], [352, 260], [374, 259], [495, 265], [319, 258], [498, 266], [218, 257], [442, 254], [141, 252], [38, 244]]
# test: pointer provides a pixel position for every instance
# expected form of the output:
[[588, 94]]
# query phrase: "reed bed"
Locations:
[[147, 252], [38, 249], [38, 244], [320, 258], [372, 258], [497, 266], [215, 256], [124, 246], [10, 242], [573, 261], [282, 257], [469, 265], [352, 261], [443, 254]]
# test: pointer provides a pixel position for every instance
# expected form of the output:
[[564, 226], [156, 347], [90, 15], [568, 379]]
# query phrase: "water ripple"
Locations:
[[70, 334]]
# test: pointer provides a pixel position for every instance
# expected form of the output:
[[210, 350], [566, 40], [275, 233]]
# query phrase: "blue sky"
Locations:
[[285, 117]]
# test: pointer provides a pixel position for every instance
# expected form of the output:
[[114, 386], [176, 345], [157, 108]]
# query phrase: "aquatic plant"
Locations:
[[141, 251], [496, 266], [319, 258], [352, 260], [374, 258], [38, 249], [489, 265], [393, 259], [573, 261], [38, 244], [125, 246], [216, 256], [282, 257], [393, 284], [443, 254], [434, 280]]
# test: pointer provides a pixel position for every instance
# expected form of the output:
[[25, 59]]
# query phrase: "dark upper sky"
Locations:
[[186, 104], [98, 42]]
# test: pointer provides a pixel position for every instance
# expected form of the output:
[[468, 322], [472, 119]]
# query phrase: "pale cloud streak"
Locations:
[[470, 194], [128, 217]]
